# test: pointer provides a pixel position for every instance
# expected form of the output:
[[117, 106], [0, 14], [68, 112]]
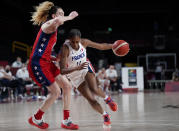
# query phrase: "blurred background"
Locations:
[[139, 82], [150, 27], [139, 23]]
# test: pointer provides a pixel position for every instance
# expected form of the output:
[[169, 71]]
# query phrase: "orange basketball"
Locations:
[[120, 48]]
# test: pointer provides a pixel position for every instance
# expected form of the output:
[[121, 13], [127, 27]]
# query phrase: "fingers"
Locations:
[[74, 14], [84, 65]]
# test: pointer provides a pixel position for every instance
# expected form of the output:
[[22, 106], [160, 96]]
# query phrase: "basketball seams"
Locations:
[[125, 43], [116, 47], [120, 55]]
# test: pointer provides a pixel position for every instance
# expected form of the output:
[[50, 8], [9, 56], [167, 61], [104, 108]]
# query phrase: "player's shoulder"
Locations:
[[65, 46], [67, 42], [48, 27], [65, 49], [85, 42]]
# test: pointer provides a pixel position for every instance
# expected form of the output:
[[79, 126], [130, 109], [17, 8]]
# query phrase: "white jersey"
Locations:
[[75, 58]]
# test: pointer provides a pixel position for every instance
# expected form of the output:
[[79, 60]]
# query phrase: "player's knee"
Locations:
[[56, 92], [67, 88]]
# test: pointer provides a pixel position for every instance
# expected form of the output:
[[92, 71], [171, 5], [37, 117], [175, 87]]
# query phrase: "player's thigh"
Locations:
[[91, 81], [86, 92]]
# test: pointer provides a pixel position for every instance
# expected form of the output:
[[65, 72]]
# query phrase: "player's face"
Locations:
[[59, 12], [74, 42]]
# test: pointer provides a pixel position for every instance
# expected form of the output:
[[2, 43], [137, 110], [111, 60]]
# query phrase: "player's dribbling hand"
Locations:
[[73, 14], [83, 66]]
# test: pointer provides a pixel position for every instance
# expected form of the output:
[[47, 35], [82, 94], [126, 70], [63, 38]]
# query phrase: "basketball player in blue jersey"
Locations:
[[72, 55], [41, 68]]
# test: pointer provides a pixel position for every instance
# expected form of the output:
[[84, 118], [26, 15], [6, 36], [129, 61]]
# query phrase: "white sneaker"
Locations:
[[65, 122], [68, 124], [36, 121]]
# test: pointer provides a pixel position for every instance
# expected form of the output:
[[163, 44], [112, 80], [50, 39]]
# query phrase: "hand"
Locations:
[[73, 14], [53, 58], [83, 66]]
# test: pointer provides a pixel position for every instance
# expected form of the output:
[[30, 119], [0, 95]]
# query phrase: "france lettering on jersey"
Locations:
[[75, 58]]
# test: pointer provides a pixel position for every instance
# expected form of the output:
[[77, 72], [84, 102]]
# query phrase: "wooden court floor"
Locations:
[[137, 112]]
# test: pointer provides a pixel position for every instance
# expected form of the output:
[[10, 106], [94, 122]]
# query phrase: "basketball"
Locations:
[[120, 48]]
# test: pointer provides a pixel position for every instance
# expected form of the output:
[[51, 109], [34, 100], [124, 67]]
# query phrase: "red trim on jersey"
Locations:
[[92, 67]]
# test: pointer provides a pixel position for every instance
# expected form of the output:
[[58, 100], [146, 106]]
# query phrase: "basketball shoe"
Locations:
[[107, 121], [67, 124], [38, 123], [113, 105]]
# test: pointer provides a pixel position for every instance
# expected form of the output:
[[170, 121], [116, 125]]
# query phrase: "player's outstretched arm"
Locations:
[[61, 19], [52, 25], [63, 62], [99, 46]]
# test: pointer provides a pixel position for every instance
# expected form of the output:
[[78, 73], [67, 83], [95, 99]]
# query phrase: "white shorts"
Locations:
[[77, 77]]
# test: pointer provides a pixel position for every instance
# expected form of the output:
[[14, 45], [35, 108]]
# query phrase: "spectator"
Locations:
[[1, 70], [23, 76], [103, 81], [158, 71], [23, 73], [7, 80], [17, 63], [111, 74], [5, 74], [3, 91], [175, 75]]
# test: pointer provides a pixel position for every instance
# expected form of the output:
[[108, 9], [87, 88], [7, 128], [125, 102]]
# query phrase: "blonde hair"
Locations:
[[41, 12]]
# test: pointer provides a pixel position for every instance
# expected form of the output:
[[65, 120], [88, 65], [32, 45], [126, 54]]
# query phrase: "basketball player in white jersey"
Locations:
[[73, 54]]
